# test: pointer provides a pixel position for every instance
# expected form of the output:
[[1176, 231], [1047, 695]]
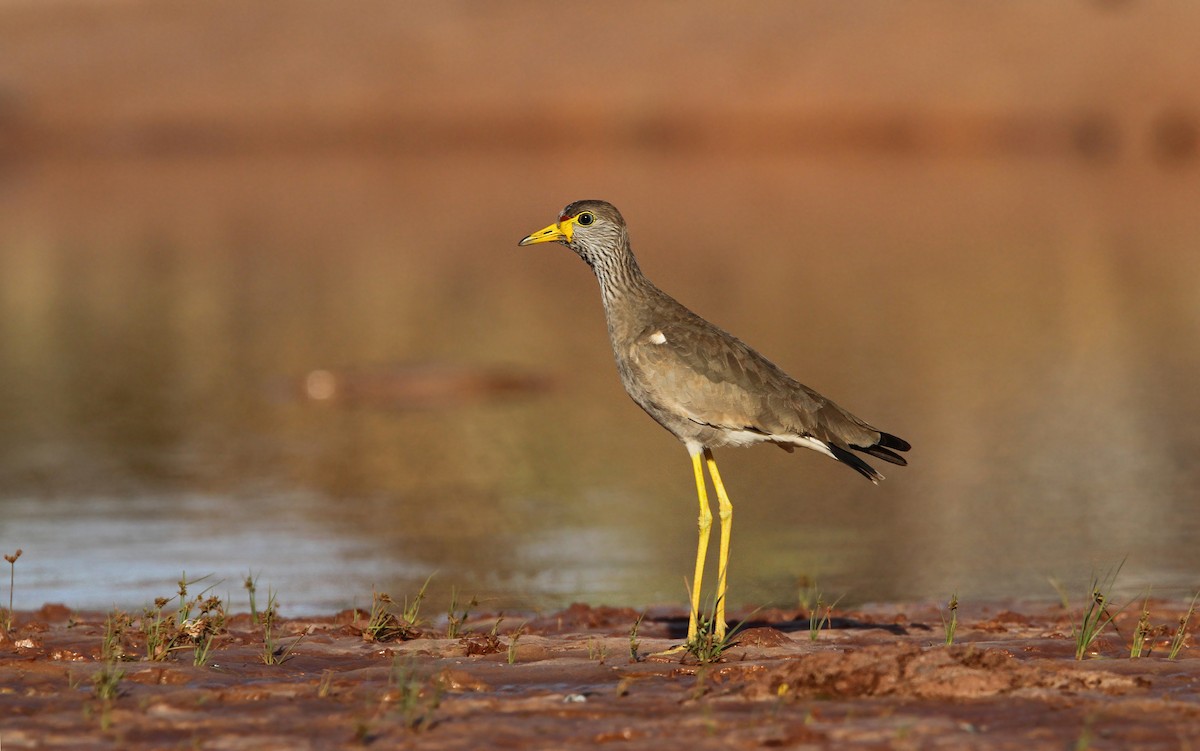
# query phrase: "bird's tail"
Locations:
[[885, 448]]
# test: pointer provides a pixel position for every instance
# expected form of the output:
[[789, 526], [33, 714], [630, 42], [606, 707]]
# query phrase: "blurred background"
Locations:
[[262, 309]]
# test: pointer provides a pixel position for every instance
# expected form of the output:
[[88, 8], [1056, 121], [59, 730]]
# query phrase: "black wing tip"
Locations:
[[853, 462], [880, 452], [883, 449], [889, 441]]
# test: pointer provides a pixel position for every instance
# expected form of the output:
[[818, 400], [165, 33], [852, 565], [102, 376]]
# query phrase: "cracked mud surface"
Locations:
[[881, 677]]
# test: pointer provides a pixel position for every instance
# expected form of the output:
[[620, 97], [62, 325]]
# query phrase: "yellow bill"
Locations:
[[559, 232]]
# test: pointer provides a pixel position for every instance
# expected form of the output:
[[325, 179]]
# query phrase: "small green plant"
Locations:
[[380, 619], [633, 640], [182, 595], [707, 647], [159, 630], [251, 587], [1177, 641], [950, 624], [185, 605], [512, 644], [325, 686], [1096, 616], [106, 684], [156, 629], [415, 698], [193, 623], [456, 617], [384, 625], [1141, 632], [7, 620], [381, 614], [812, 600], [112, 647], [203, 630], [597, 650], [412, 610], [274, 653], [818, 621]]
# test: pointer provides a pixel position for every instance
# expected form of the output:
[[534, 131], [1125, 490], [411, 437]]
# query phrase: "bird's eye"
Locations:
[[585, 218]]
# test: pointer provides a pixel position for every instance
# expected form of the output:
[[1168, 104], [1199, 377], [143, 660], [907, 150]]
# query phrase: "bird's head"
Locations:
[[595, 230]]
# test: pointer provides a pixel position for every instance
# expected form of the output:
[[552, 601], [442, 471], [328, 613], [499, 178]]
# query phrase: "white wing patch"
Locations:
[[658, 338], [809, 442], [750, 437]]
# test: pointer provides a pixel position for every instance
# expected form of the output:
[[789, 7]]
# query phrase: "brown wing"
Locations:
[[718, 380]]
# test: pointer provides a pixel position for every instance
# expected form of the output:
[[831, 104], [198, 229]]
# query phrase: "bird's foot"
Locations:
[[669, 653]]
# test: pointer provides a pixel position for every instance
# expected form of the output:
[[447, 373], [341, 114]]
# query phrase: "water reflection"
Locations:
[[1031, 329]]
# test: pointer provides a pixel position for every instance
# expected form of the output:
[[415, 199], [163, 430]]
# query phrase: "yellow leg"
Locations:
[[725, 511], [705, 524]]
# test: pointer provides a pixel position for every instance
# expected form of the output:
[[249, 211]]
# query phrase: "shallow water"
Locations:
[[1031, 327]]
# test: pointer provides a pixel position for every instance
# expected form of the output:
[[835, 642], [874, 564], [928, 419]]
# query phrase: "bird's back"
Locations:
[[707, 386]]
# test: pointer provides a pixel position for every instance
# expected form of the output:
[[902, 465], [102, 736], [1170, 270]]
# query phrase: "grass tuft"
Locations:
[[194, 623], [633, 639], [1142, 631], [202, 631], [597, 650], [512, 643], [1180, 637], [112, 647], [706, 647], [817, 621], [1096, 616], [950, 623], [411, 614], [456, 616], [414, 697], [251, 587], [383, 624], [106, 683], [159, 630], [325, 686], [274, 653]]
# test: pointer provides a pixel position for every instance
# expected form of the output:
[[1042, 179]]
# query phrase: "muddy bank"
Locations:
[[880, 677]]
